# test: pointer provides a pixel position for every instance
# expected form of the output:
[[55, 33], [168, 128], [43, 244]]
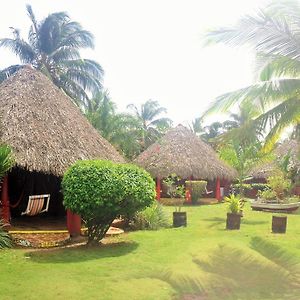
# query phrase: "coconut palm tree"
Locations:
[[151, 126], [52, 47], [120, 129], [273, 35]]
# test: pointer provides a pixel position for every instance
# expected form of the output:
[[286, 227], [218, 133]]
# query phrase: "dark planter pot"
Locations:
[[279, 224], [233, 221], [179, 219]]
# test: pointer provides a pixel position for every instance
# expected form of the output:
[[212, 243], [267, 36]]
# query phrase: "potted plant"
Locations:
[[234, 214], [176, 191], [276, 197]]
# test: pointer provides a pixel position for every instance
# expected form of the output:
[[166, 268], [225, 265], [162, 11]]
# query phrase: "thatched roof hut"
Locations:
[[265, 170], [46, 130], [183, 153]]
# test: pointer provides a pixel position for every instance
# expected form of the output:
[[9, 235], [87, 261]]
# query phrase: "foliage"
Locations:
[[267, 194], [5, 239], [153, 218], [234, 203], [175, 190], [243, 158], [53, 47], [273, 34], [279, 184], [101, 190], [6, 159], [278, 187], [197, 189], [151, 127]]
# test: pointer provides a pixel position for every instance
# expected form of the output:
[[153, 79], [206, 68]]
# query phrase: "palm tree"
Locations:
[[241, 127], [151, 127], [52, 47], [101, 112], [273, 34], [120, 129]]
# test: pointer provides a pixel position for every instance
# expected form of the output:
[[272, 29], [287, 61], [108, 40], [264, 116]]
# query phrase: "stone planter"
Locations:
[[179, 219], [233, 221], [279, 224]]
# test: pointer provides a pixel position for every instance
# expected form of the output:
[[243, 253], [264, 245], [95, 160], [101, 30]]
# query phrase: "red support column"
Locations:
[[218, 191], [5, 201], [188, 193], [158, 188], [73, 223]]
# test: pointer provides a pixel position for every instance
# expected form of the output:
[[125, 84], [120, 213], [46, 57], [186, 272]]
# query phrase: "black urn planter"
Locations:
[[279, 224], [233, 221], [179, 218]]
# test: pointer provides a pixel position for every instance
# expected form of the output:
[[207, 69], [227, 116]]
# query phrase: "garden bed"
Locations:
[[40, 239]]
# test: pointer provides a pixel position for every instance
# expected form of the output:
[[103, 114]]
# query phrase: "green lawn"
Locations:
[[202, 259]]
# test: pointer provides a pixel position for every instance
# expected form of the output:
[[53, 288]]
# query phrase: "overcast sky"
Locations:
[[153, 49]]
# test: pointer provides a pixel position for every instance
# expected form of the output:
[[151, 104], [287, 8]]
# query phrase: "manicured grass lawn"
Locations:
[[202, 259]]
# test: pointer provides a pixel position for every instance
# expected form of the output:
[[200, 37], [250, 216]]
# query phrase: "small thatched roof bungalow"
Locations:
[[183, 153], [263, 171], [46, 131]]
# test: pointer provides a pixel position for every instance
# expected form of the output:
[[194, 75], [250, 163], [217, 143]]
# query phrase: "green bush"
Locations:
[[267, 194], [152, 218], [5, 239], [234, 203], [279, 184], [197, 189], [6, 159], [101, 190]]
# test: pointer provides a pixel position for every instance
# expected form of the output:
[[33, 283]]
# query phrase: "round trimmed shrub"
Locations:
[[99, 191]]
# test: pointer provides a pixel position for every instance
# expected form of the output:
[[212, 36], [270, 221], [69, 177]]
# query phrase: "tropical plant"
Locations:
[[175, 190], [101, 190], [273, 34], [243, 158], [235, 203], [120, 129], [151, 126], [53, 47], [6, 160], [153, 218], [5, 239]]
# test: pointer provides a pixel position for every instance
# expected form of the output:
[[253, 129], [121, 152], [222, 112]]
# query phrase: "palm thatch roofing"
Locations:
[[46, 131], [291, 147], [183, 153]]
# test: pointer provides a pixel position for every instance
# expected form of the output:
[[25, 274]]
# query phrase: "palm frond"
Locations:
[[264, 33], [7, 72], [276, 90], [20, 48]]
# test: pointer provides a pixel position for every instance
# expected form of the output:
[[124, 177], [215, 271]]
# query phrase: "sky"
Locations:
[[153, 49]]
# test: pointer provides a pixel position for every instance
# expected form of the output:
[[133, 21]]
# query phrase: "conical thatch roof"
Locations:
[[267, 169], [183, 153], [46, 130]]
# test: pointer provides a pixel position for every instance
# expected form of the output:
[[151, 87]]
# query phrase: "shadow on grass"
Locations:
[[254, 222], [81, 253], [216, 221], [266, 271]]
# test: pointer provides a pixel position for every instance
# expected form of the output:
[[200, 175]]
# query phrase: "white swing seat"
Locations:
[[36, 204]]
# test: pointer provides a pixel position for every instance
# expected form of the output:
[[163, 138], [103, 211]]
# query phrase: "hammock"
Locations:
[[36, 204]]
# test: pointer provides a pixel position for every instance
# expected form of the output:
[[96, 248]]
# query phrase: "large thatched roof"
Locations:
[[183, 153], [267, 169], [45, 129]]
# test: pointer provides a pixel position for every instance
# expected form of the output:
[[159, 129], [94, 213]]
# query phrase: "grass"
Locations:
[[202, 259]]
